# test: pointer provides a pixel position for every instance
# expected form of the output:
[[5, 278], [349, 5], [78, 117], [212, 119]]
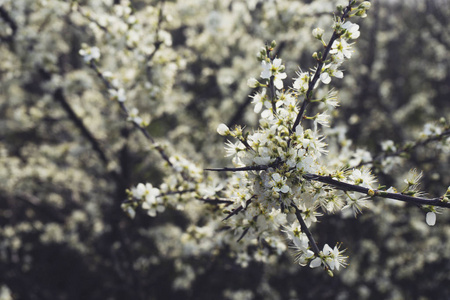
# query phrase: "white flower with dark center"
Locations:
[[355, 202], [252, 82], [322, 119], [362, 177], [334, 257]]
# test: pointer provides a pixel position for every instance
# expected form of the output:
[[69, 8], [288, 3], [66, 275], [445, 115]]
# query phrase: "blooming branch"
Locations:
[[440, 201]]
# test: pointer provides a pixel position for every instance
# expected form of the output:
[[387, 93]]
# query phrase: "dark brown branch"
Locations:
[[249, 168], [234, 212], [124, 109], [215, 201], [271, 86], [59, 96], [79, 9], [243, 234], [305, 229], [237, 210], [158, 43], [7, 18], [373, 192]]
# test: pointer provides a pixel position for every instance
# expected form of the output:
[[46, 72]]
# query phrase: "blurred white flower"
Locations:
[[318, 33], [92, 53], [430, 218]]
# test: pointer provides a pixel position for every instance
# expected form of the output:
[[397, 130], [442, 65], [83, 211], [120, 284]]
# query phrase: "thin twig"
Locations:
[[215, 201], [12, 24], [249, 168], [158, 43], [407, 148], [243, 234], [59, 97], [125, 110], [237, 210], [305, 229]]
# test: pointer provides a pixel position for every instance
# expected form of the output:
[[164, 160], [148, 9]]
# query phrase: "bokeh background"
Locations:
[[68, 154]]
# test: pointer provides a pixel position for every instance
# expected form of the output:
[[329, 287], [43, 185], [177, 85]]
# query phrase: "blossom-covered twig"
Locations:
[[158, 42], [144, 131], [306, 230], [380, 193], [407, 148], [320, 64], [238, 209]]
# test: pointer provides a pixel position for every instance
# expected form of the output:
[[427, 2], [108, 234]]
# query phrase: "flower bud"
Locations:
[[252, 82], [430, 218], [273, 44], [365, 5], [315, 56], [318, 33], [223, 129], [361, 13]]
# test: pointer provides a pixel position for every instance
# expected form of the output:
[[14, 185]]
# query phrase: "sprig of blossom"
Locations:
[[331, 258], [89, 53], [273, 69]]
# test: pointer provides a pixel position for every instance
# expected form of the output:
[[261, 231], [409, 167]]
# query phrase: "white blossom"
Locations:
[[223, 129], [431, 218]]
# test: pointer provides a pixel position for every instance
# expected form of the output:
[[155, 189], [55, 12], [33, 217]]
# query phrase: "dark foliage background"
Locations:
[[67, 155]]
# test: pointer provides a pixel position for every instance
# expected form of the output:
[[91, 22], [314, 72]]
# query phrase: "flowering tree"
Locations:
[[280, 180], [176, 72]]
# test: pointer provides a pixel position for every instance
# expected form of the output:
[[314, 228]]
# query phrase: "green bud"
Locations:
[[330, 273], [365, 5], [315, 56], [273, 44]]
